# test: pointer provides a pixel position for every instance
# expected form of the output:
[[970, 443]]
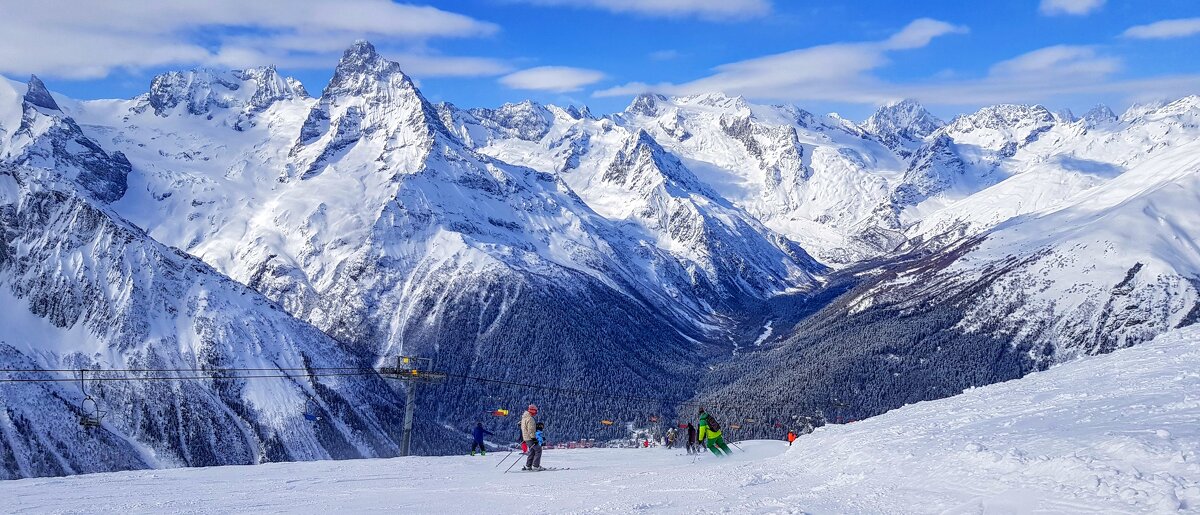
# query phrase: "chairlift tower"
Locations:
[[411, 371]]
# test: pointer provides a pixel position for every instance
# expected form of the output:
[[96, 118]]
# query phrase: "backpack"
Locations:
[[712, 423]]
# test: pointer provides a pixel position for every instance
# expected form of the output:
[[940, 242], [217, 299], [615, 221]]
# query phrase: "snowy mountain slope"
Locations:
[[626, 176], [386, 143], [843, 191], [35, 132], [1036, 162], [87, 290], [1114, 268], [806, 177], [1106, 434], [360, 213]]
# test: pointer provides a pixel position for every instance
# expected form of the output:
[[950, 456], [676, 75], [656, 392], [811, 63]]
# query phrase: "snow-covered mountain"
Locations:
[[902, 126], [85, 289], [545, 244], [1112, 266], [362, 214]]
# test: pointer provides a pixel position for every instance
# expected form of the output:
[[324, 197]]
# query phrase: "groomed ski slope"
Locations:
[[1113, 433]]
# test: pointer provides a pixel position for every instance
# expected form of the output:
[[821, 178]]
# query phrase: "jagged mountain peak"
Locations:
[[527, 120], [578, 113], [903, 114], [39, 96], [1065, 115], [900, 124], [642, 164], [1099, 114], [646, 104], [361, 67], [1004, 116], [369, 97], [205, 90], [717, 99]]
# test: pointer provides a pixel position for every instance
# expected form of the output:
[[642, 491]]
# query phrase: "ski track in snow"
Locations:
[[1114, 434]]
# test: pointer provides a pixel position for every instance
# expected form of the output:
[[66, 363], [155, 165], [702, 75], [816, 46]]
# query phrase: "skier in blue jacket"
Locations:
[[479, 433]]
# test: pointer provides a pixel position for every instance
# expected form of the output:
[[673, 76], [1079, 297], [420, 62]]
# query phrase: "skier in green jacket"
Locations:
[[710, 434]]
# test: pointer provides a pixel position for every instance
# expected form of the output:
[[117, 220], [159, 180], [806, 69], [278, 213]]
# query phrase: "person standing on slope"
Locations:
[[533, 459], [791, 437], [478, 434], [710, 432], [691, 438]]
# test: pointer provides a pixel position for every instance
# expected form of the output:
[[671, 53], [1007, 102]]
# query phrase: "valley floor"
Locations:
[[1114, 433]]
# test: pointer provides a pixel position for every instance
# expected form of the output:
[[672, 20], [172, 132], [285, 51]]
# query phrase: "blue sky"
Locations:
[[951, 55]]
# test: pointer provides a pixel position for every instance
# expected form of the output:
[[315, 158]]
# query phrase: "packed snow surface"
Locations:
[[1111, 433]]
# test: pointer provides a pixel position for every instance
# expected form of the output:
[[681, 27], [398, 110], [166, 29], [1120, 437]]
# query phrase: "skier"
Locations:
[[533, 459], [710, 434], [691, 438], [541, 437], [791, 437], [478, 433]]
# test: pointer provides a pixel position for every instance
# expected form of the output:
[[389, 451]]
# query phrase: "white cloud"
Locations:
[[88, 39], [920, 33], [424, 65], [1165, 29], [1078, 62], [1069, 7], [846, 73], [824, 72], [558, 79], [709, 9]]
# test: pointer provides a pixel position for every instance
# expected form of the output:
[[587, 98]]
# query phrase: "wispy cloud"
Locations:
[[708, 9], [1069, 7], [848, 73], [558, 79], [821, 72], [87, 39], [1066, 61], [1165, 29]]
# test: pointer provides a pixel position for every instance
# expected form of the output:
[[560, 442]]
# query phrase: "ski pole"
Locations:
[[506, 457], [738, 446], [514, 463]]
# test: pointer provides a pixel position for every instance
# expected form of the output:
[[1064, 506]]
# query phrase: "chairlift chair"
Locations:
[[90, 415]]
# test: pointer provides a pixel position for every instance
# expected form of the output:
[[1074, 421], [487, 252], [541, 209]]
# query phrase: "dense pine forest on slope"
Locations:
[[764, 260]]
